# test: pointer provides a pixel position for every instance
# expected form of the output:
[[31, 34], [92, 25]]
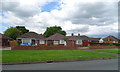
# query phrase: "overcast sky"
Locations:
[[97, 18]]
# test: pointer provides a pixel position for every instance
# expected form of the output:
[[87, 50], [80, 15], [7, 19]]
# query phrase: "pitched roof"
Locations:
[[110, 38], [32, 35], [56, 36], [94, 39], [83, 37], [2, 36]]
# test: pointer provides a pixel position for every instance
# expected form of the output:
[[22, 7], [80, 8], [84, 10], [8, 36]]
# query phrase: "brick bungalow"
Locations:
[[4, 40], [80, 40], [59, 39], [110, 39], [31, 38], [56, 39]]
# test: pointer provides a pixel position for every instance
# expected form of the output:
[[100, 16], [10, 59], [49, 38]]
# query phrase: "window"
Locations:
[[79, 42], [42, 42], [62, 41], [26, 41], [55, 42]]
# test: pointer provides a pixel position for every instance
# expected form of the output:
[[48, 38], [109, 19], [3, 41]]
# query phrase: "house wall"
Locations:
[[25, 40], [86, 43], [38, 42], [73, 43], [5, 42], [29, 40], [70, 43], [51, 43]]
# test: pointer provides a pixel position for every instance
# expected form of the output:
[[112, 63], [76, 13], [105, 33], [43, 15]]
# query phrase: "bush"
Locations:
[[93, 43], [14, 43]]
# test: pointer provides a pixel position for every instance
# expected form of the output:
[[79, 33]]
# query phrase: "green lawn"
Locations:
[[55, 55], [116, 51]]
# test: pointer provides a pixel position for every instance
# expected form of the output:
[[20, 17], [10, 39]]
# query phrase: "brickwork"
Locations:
[[43, 48]]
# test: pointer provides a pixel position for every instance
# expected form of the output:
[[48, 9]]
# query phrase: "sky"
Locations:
[[95, 18]]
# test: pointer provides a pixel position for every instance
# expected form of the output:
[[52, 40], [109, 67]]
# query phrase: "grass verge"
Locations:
[[19, 56]]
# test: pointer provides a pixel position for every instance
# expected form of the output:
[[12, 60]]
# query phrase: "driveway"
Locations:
[[110, 64]]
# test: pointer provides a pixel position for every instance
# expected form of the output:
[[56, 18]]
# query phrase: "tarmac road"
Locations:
[[109, 64]]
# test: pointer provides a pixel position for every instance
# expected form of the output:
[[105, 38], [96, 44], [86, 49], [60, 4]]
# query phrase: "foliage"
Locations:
[[14, 43], [22, 29], [117, 44], [12, 32], [52, 30]]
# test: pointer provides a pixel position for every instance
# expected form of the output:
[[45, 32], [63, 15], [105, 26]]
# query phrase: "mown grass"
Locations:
[[116, 51], [55, 55]]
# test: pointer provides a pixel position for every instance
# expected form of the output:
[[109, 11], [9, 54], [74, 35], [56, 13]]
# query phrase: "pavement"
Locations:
[[5, 48], [109, 64]]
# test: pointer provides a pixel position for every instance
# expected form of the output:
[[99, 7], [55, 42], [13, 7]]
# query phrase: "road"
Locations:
[[109, 64]]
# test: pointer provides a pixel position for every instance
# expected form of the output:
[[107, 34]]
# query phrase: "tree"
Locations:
[[12, 32], [22, 29], [52, 30]]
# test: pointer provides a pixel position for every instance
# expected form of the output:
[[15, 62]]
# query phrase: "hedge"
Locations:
[[116, 44]]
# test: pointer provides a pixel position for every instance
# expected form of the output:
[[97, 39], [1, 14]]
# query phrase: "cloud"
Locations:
[[18, 10], [89, 17]]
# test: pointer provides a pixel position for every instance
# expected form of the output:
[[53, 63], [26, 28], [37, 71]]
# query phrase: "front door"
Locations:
[[33, 41]]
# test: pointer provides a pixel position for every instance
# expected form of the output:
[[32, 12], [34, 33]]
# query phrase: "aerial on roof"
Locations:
[[56, 36], [32, 35]]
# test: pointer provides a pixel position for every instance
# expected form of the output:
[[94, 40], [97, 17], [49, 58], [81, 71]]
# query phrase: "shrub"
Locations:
[[93, 43]]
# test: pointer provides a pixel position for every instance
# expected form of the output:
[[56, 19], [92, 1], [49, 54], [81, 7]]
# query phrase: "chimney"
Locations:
[[78, 34], [72, 34]]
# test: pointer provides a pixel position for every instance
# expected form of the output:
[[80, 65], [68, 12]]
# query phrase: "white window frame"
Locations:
[[79, 42], [42, 41], [62, 41], [56, 42]]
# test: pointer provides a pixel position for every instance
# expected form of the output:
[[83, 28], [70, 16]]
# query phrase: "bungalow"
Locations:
[[110, 39], [56, 39], [4, 40], [31, 38], [59, 39], [80, 40]]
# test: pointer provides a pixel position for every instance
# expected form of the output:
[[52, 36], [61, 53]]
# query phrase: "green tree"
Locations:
[[22, 29], [52, 30], [12, 32]]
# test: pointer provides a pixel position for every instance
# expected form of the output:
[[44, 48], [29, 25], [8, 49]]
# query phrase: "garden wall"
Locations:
[[43, 48], [103, 46]]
